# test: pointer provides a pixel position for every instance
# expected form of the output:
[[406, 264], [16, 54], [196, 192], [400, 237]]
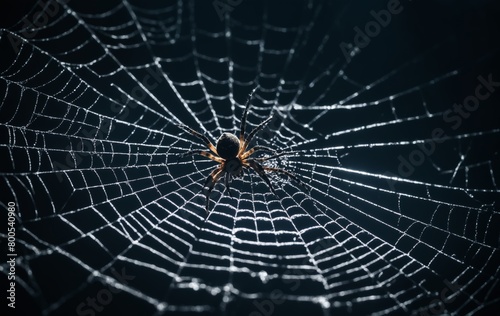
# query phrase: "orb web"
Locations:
[[392, 218]]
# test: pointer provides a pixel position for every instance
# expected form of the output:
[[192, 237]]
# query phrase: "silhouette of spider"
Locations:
[[232, 155]]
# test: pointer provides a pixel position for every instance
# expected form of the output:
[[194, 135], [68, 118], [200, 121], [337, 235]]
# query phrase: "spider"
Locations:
[[233, 157]]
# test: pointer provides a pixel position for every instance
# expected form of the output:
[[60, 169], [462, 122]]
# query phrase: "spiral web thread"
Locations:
[[90, 105]]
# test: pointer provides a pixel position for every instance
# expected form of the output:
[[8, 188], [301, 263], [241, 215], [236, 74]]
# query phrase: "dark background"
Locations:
[[433, 38]]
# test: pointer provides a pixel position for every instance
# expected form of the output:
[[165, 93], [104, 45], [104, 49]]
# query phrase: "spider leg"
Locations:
[[253, 132], [200, 136], [210, 182], [203, 153], [256, 148], [226, 184], [260, 171], [244, 118]]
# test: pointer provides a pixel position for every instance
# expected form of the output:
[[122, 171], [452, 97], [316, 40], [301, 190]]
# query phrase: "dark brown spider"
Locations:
[[232, 155]]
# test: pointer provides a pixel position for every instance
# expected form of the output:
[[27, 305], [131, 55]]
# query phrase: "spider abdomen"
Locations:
[[228, 146]]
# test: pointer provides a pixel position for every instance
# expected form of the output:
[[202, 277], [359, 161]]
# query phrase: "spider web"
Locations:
[[91, 99]]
